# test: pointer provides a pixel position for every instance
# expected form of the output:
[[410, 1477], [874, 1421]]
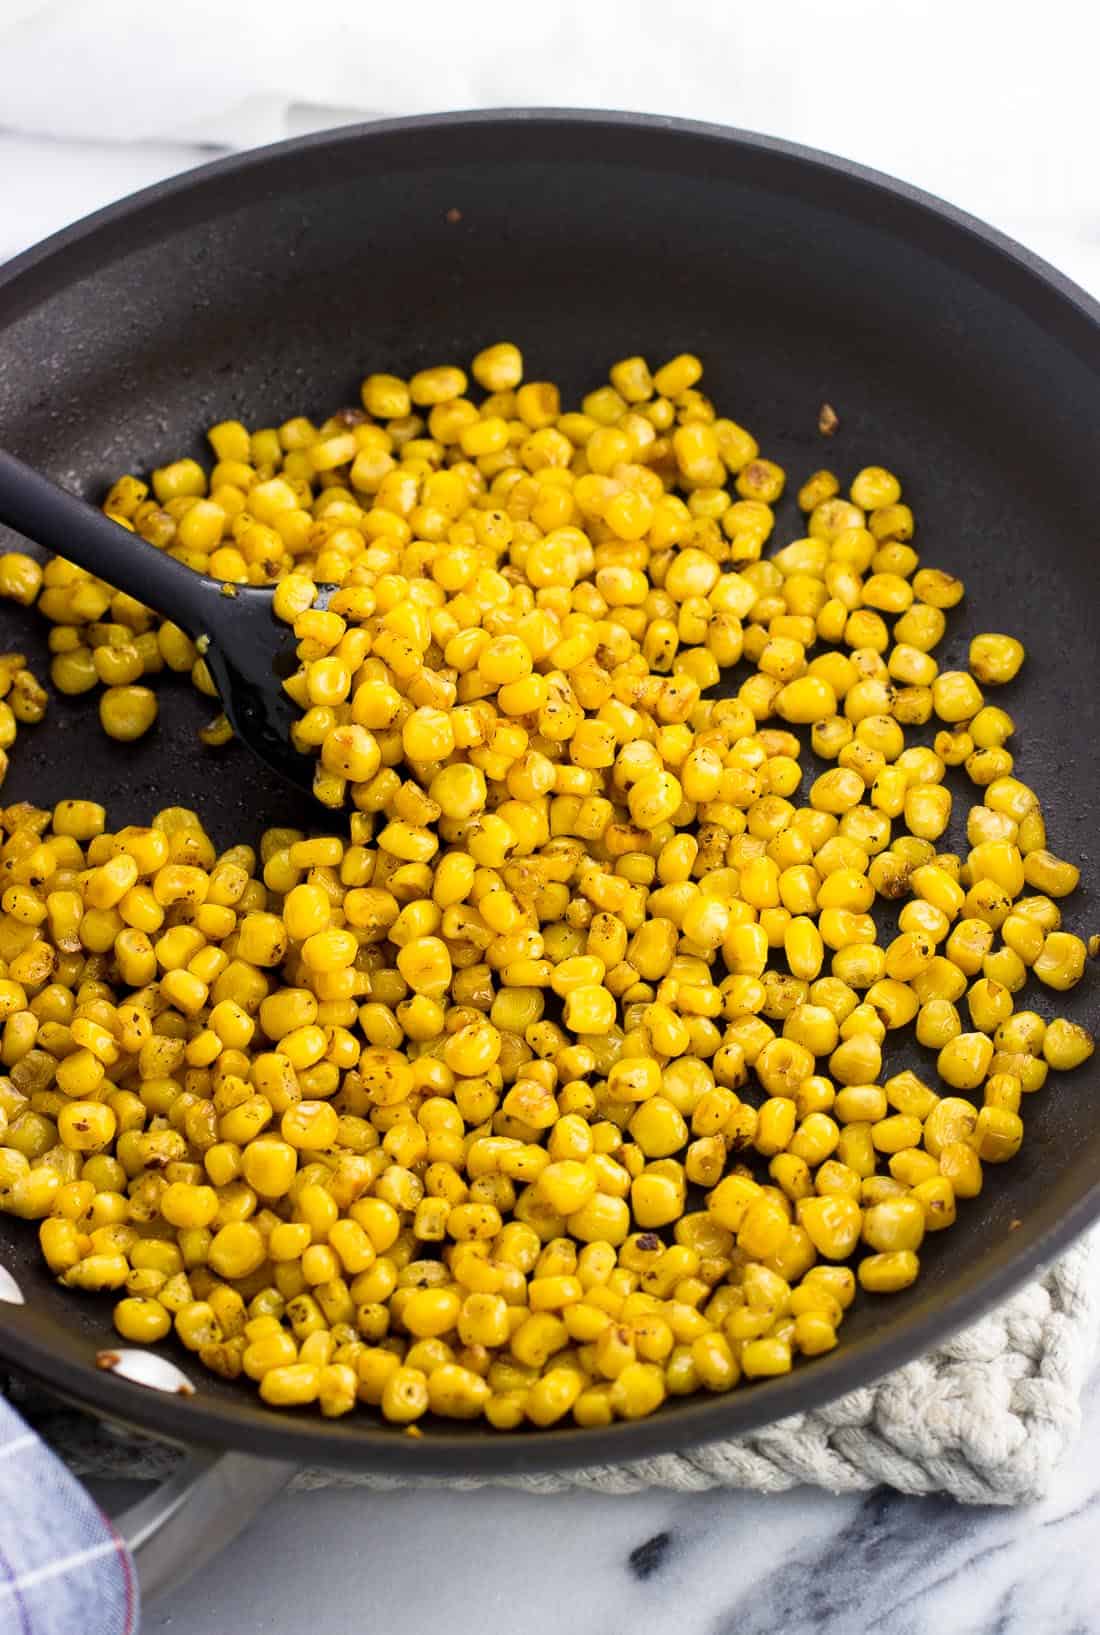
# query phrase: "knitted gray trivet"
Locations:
[[985, 1418]]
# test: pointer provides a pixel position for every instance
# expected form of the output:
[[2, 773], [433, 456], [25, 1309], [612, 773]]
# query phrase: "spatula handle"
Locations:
[[60, 522]]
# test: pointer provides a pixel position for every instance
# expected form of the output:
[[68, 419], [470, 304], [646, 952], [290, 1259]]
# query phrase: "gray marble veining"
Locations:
[[801, 1563]]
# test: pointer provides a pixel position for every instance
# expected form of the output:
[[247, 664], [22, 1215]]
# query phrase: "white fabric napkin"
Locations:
[[994, 109], [63, 1568]]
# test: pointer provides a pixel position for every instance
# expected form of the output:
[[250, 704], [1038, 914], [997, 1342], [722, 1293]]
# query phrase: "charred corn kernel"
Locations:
[[458, 1393], [95, 1273], [832, 1223], [765, 1358], [814, 1333], [955, 696], [184, 1204], [998, 1135], [888, 1272], [893, 1225], [873, 487], [32, 1193], [911, 1166], [537, 1338], [936, 1197], [1066, 1045], [498, 368], [1061, 963], [856, 1149], [715, 1366], [959, 1163], [86, 1126], [589, 1010], [237, 1250], [964, 1060], [142, 1320], [806, 700], [291, 1385], [657, 1194], [991, 727], [638, 1390], [927, 810], [937, 1024], [989, 1004], [999, 861], [951, 1120], [126, 712], [60, 1243], [995, 659], [439, 385], [1003, 1090], [430, 1312], [21, 575], [1044, 872], [775, 1125]]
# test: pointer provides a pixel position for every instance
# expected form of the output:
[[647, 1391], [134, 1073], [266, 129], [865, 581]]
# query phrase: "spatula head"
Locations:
[[250, 654]]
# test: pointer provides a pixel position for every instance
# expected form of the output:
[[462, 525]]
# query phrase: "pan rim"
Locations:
[[244, 163], [680, 1427], [249, 1427]]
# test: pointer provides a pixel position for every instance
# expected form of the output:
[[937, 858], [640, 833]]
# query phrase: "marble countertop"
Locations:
[[800, 1563], [491, 1562]]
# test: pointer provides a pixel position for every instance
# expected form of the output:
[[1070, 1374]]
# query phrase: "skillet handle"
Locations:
[[195, 1514]]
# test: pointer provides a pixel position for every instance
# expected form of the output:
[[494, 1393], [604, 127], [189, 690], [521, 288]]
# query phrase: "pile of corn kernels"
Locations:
[[556, 1079]]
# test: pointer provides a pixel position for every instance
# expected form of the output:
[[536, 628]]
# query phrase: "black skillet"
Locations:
[[270, 283]]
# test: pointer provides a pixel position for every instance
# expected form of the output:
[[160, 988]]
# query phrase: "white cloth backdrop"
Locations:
[[990, 105]]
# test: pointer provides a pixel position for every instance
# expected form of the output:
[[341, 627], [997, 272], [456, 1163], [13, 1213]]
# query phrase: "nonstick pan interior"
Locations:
[[270, 285]]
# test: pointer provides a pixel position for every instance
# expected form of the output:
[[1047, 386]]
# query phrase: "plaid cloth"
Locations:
[[63, 1568]]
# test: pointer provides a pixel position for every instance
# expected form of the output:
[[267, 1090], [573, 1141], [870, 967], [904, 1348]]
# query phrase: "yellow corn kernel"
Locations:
[[888, 1272], [1066, 1045], [995, 659]]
